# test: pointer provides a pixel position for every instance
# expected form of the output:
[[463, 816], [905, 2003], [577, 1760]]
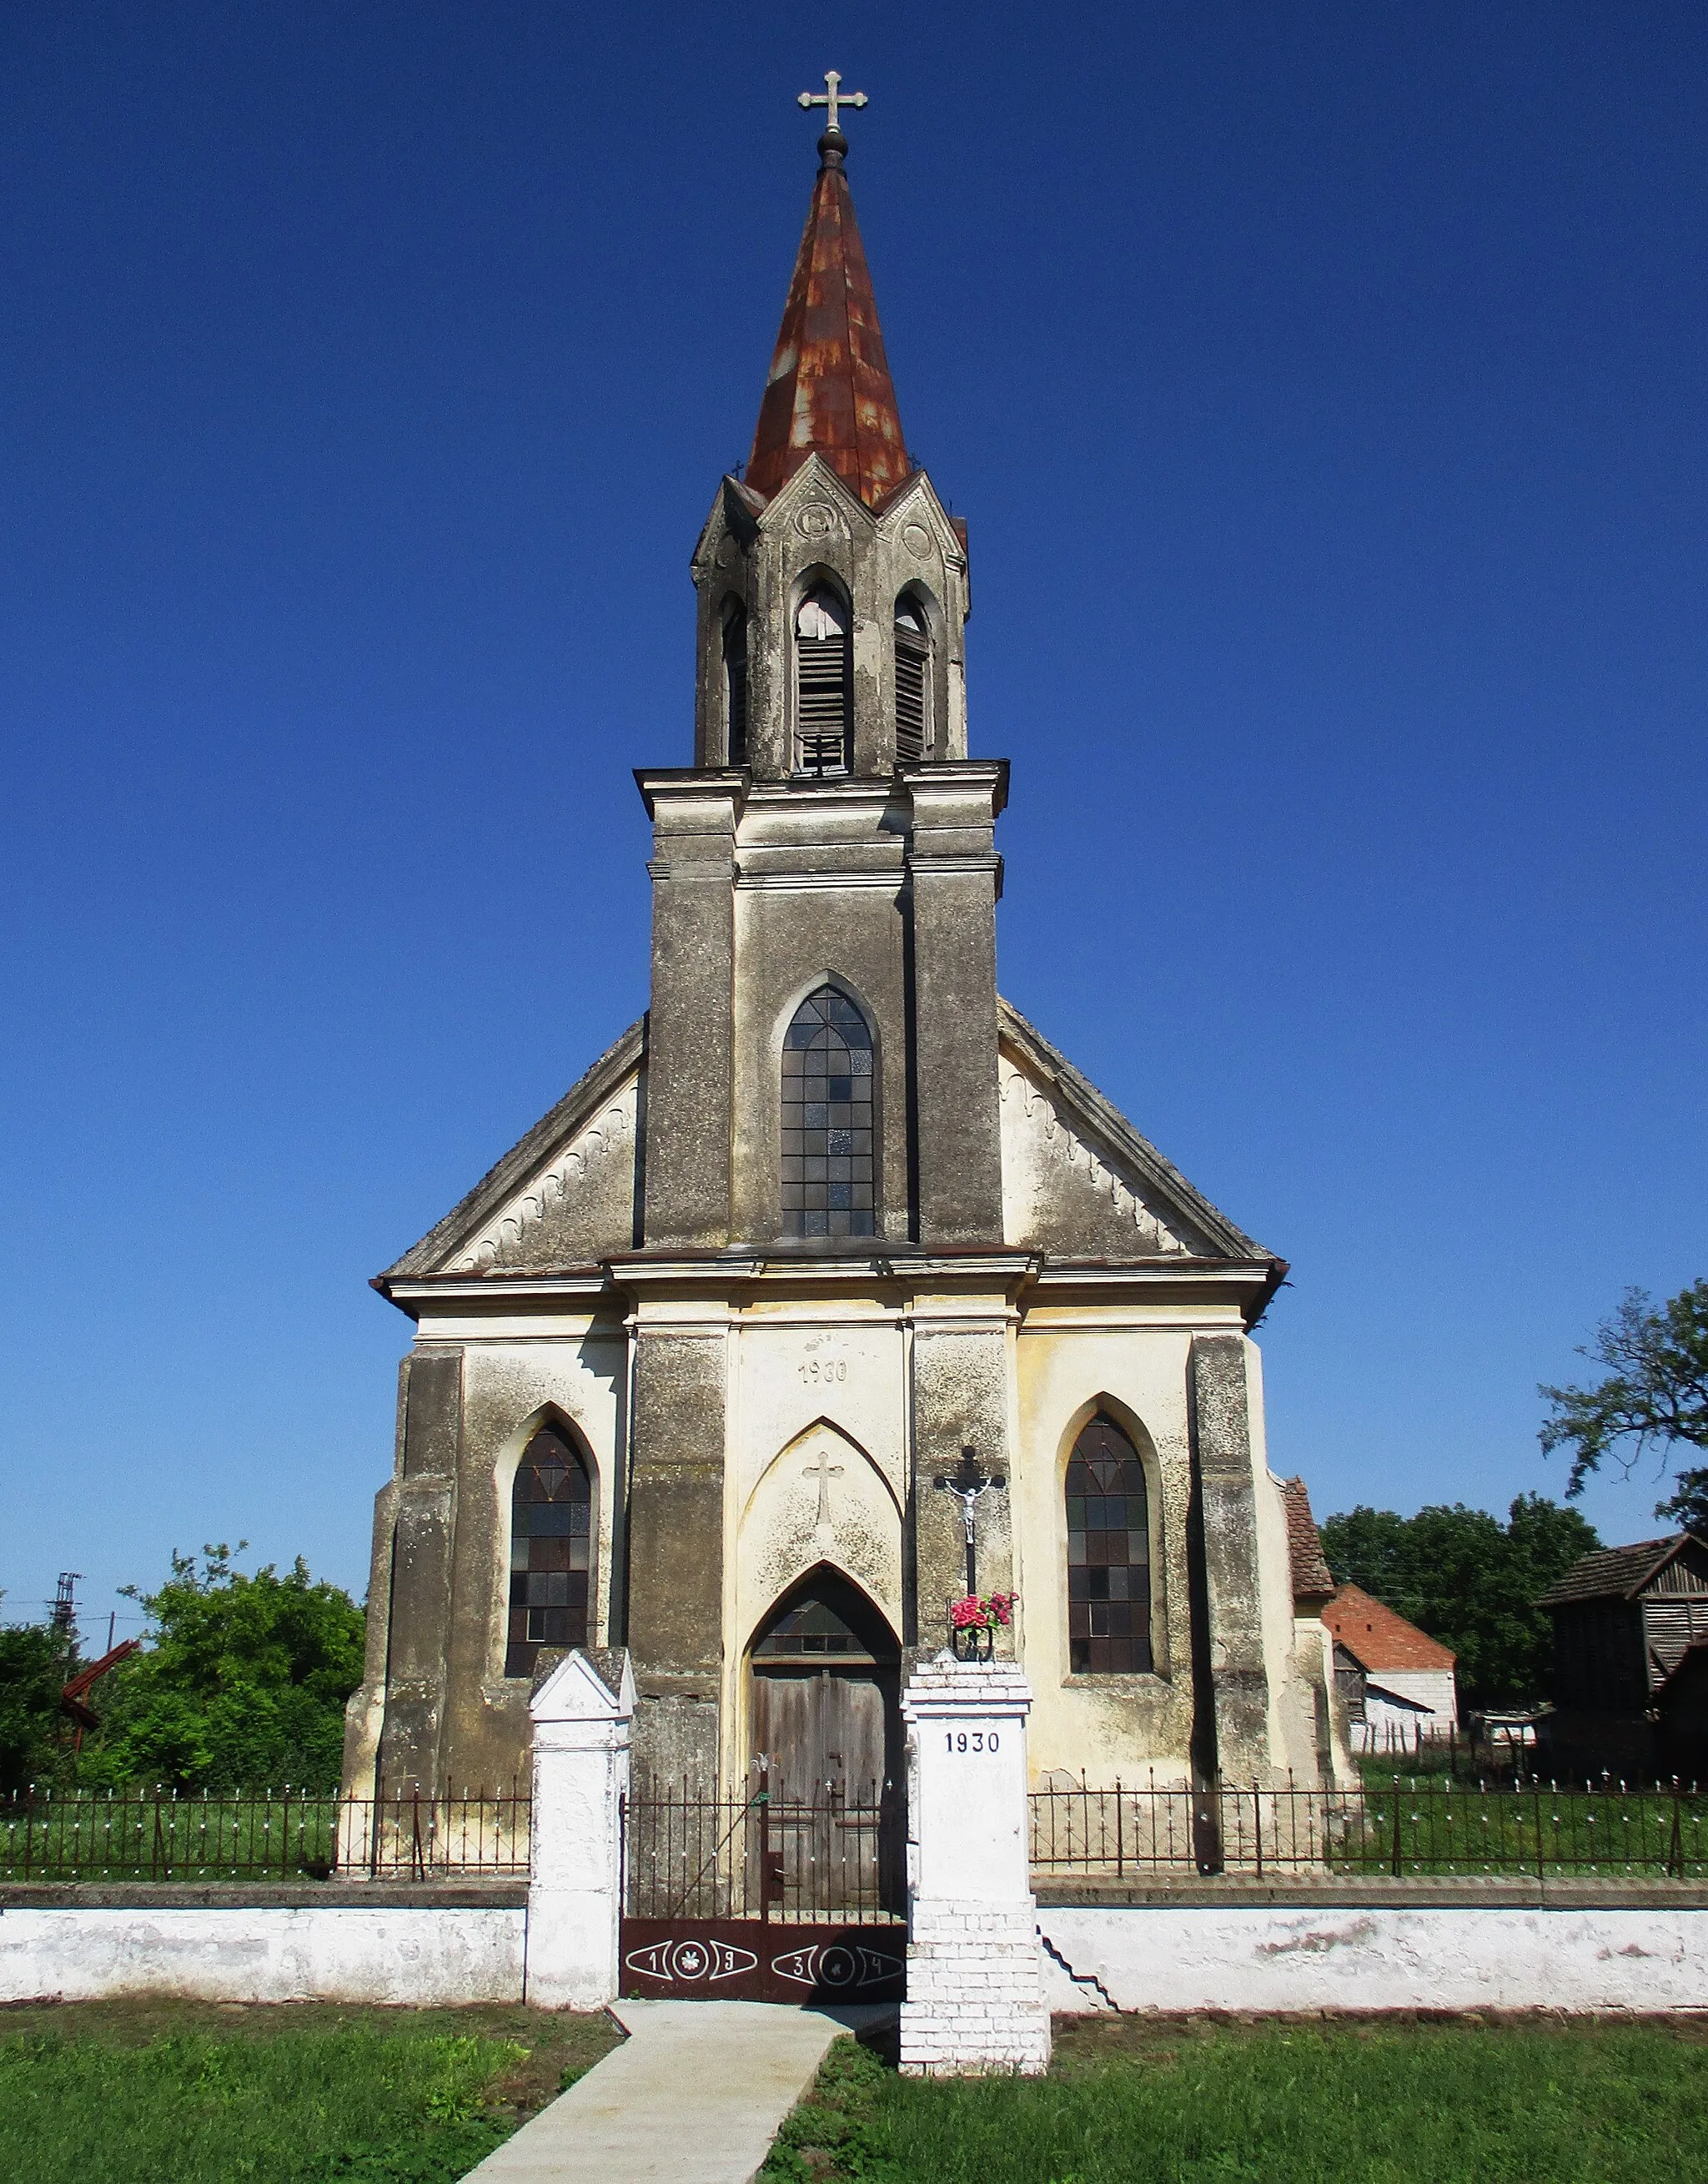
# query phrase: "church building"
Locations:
[[689, 1360]]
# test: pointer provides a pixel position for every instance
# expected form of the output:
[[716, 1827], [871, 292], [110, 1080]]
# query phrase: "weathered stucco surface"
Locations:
[[418, 1958], [1323, 1957]]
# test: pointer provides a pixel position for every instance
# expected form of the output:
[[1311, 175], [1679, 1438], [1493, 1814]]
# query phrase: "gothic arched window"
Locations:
[[824, 684], [551, 1550], [827, 1120], [735, 682], [1108, 1554], [912, 682]]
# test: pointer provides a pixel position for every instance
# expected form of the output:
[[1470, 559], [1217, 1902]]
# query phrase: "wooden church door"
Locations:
[[826, 1732], [824, 1728]]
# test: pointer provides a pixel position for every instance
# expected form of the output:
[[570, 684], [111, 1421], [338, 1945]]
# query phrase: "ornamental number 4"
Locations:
[[824, 1368], [972, 1739]]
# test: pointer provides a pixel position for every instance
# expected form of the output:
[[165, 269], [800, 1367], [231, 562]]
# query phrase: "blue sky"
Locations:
[[1324, 387]]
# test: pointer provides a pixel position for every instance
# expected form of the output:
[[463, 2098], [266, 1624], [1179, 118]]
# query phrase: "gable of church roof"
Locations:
[[565, 1195], [1079, 1182]]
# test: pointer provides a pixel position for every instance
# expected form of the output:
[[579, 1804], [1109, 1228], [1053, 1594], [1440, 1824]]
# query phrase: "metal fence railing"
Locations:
[[1419, 1826], [261, 1835], [833, 1856]]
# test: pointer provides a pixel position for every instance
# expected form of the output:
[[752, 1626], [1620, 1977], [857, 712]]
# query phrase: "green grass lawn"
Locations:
[[1202, 2103], [188, 2094]]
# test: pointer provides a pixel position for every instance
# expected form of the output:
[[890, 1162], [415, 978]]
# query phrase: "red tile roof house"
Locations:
[[1404, 1675]]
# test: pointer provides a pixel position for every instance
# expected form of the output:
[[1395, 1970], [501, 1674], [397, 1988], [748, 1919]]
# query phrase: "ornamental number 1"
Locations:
[[826, 1369], [973, 1740]]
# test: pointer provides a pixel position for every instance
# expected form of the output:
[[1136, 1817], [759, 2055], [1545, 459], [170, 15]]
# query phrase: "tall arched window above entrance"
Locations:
[[736, 682], [828, 1165], [824, 684], [1108, 1554], [912, 682], [551, 1550]]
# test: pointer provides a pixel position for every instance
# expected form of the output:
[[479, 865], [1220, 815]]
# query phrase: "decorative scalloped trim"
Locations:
[[1073, 1153], [610, 1131]]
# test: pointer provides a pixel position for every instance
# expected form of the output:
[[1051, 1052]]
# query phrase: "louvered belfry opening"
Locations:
[[735, 681], [824, 684], [912, 682], [1108, 1555], [551, 1550], [827, 1162]]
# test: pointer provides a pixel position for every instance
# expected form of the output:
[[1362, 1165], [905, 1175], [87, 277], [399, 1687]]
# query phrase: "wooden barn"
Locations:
[[1624, 1619]]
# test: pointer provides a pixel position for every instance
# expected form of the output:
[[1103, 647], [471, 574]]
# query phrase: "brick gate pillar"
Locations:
[[975, 1977], [580, 1715]]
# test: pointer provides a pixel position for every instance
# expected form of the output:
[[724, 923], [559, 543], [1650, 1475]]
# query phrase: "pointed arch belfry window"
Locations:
[[912, 682], [827, 1158], [1108, 1554], [551, 1550], [824, 684], [735, 682]]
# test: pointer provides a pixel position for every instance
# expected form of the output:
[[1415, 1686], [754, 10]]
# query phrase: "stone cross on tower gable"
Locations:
[[822, 1468], [832, 98]]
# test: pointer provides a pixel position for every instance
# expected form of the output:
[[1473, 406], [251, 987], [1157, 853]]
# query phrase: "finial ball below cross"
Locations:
[[831, 97]]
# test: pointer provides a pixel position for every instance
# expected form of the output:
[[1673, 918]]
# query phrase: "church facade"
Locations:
[[689, 1359]]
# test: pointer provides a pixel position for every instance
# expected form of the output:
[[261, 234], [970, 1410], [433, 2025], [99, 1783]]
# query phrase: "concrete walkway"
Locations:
[[695, 2095]]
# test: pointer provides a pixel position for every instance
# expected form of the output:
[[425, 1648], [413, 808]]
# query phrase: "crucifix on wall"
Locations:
[[968, 1482], [824, 1470]]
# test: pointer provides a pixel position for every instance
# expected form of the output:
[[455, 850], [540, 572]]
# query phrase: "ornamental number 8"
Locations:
[[974, 1739]]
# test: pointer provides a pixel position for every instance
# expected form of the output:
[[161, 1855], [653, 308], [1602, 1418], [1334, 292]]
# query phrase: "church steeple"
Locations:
[[830, 387], [832, 582]]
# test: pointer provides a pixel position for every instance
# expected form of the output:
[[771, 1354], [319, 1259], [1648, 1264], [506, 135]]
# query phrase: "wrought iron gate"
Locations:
[[766, 1897]]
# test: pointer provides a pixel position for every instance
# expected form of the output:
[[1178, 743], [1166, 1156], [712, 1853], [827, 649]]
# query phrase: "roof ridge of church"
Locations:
[[1101, 1114], [829, 387], [556, 1126]]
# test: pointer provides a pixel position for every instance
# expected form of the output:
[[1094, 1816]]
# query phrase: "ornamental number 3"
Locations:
[[972, 1739], [826, 1368]]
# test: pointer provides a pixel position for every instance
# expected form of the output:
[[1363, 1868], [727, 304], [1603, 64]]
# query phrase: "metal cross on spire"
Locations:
[[832, 98]]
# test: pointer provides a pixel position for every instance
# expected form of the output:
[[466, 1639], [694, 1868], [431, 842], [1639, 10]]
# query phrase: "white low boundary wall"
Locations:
[[1357, 1958], [336, 1952]]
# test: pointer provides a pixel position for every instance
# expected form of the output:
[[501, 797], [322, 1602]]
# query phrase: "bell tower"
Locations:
[[832, 829]]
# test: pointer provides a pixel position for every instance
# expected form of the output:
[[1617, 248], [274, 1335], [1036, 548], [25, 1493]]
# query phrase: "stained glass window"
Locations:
[[551, 1550], [824, 1619], [828, 1156], [1108, 1554]]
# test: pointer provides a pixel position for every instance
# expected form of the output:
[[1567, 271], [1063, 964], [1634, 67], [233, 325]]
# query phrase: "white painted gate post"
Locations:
[[975, 1980], [580, 1716]]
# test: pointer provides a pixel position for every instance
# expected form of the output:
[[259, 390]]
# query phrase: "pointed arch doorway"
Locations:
[[826, 1676]]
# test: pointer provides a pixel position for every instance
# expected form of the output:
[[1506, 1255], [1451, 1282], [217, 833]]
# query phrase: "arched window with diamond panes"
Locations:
[[827, 1159], [1108, 1554], [551, 1550]]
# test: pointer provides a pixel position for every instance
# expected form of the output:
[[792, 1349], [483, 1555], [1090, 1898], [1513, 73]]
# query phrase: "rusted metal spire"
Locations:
[[830, 387]]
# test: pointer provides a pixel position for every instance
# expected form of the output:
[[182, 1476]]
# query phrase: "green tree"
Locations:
[[242, 1687], [1469, 1581], [35, 1663], [1654, 1396]]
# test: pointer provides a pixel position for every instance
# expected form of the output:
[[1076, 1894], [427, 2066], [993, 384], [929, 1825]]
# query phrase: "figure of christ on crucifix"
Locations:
[[967, 1482]]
